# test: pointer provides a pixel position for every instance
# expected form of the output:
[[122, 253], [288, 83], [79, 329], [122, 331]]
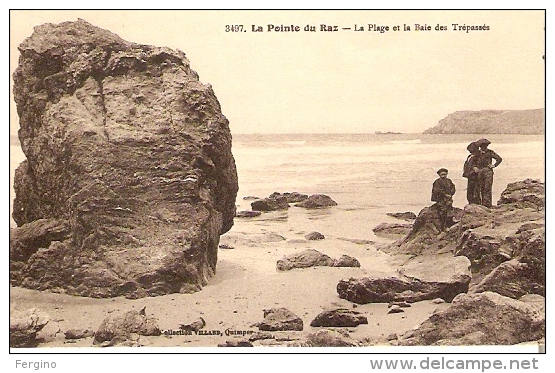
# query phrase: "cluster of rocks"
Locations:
[[282, 201], [314, 258], [128, 328], [129, 179], [488, 265]]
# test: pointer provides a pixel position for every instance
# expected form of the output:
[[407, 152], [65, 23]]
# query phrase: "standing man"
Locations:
[[443, 190], [484, 169], [472, 193]]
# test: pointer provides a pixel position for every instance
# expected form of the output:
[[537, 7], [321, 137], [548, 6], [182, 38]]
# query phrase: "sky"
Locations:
[[344, 81]]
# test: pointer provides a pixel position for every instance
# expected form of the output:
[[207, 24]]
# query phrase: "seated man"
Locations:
[[443, 190]]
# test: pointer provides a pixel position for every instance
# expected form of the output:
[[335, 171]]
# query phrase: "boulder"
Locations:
[[131, 152], [193, 326], [51, 332], [446, 278], [317, 201], [346, 261], [314, 236], [293, 197], [392, 229], [480, 319], [425, 235], [527, 193], [280, 319], [341, 317], [408, 216], [525, 273], [24, 326], [78, 333], [511, 279], [247, 214], [329, 338], [304, 259], [270, 204], [120, 328]]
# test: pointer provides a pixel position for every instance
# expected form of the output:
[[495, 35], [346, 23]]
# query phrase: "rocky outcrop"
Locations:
[[423, 234], [24, 326], [280, 319], [317, 201], [417, 281], [392, 229], [116, 329], [340, 317], [128, 156], [514, 229], [523, 122], [314, 258], [480, 319], [525, 273], [383, 290], [527, 193]]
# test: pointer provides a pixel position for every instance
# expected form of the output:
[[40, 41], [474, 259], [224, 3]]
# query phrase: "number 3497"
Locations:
[[234, 28]]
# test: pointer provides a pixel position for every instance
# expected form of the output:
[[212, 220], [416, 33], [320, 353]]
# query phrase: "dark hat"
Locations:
[[472, 147], [483, 142], [442, 170]]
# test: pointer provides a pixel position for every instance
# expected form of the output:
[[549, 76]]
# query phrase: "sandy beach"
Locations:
[[245, 284]]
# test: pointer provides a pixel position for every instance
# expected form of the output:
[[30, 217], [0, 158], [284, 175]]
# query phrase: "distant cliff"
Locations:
[[523, 122]]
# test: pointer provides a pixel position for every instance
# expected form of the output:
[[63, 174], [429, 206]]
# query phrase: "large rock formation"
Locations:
[[127, 149], [523, 122]]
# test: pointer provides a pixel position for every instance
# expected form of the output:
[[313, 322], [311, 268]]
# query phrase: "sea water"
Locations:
[[368, 175]]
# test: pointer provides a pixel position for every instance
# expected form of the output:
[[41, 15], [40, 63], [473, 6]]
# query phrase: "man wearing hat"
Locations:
[[443, 190], [472, 195], [484, 169]]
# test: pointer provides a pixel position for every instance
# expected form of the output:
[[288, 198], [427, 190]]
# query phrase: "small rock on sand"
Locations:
[[278, 319], [395, 309], [314, 236]]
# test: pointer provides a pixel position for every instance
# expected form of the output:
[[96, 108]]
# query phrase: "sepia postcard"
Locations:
[[288, 180]]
